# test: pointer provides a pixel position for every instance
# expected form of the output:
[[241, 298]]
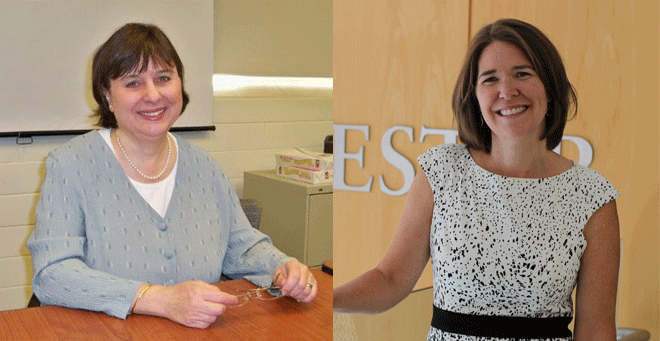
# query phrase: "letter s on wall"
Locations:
[[397, 160]]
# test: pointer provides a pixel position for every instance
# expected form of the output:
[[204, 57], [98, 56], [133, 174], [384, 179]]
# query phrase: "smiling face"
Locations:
[[511, 96], [146, 104]]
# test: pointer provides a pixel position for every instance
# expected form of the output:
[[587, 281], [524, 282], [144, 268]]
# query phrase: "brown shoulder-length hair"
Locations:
[[130, 49], [547, 63]]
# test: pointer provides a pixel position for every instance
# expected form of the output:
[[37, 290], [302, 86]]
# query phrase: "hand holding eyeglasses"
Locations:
[[295, 280], [265, 294]]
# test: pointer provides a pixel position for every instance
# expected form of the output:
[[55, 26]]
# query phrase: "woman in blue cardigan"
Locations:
[[133, 220]]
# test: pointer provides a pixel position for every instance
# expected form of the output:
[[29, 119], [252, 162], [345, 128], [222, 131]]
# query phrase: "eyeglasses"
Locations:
[[264, 294]]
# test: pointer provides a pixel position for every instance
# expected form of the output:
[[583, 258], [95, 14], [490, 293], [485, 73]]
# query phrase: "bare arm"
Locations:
[[597, 279], [381, 288]]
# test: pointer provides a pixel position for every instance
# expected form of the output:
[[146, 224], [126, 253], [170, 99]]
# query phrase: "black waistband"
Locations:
[[501, 326]]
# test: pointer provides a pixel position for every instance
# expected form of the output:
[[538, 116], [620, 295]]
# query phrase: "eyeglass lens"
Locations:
[[264, 294]]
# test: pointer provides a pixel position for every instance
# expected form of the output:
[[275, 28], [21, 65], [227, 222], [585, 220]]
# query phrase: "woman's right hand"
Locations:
[[194, 304]]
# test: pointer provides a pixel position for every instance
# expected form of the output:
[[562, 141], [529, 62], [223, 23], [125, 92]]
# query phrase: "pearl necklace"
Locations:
[[167, 161]]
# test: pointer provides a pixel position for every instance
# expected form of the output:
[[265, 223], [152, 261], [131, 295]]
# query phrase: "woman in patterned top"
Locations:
[[132, 219], [510, 226]]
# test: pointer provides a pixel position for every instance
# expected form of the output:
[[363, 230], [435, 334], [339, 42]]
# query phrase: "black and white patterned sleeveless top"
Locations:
[[506, 246]]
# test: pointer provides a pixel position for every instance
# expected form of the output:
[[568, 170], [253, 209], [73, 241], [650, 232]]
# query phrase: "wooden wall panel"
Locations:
[[395, 63], [610, 49]]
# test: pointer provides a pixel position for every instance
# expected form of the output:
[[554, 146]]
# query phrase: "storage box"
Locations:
[[305, 159], [306, 175]]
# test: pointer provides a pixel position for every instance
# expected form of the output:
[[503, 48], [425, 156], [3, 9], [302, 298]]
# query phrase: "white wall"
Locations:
[[264, 37], [44, 53]]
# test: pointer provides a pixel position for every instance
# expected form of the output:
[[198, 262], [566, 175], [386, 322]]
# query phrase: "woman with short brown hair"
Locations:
[[510, 226]]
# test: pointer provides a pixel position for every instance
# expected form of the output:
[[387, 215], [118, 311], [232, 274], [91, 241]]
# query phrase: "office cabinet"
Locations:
[[295, 214]]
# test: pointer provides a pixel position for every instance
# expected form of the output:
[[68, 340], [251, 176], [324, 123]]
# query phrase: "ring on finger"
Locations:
[[310, 285]]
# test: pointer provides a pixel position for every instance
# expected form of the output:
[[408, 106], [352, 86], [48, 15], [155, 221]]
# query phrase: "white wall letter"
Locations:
[[451, 136], [585, 150], [340, 156], [397, 160]]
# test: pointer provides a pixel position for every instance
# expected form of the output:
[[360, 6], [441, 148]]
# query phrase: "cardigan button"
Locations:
[[168, 254], [162, 226]]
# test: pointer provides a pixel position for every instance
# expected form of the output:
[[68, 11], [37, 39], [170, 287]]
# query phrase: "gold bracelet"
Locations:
[[140, 296]]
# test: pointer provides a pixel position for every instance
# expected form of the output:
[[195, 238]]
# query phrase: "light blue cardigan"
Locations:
[[97, 240]]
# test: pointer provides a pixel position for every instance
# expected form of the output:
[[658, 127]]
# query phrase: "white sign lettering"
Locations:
[[339, 151], [400, 162], [397, 160]]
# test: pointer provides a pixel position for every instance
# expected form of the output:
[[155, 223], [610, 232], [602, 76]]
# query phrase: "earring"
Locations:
[[107, 100], [482, 119]]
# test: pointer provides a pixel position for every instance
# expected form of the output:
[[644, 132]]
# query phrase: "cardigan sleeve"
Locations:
[[250, 253], [57, 246]]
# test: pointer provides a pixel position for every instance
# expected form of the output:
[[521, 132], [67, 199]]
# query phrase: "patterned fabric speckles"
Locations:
[[506, 246]]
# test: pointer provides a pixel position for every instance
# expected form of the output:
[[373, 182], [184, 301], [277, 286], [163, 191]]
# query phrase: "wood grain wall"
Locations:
[[396, 62]]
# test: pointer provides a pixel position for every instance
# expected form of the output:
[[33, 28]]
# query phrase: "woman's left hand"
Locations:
[[295, 280]]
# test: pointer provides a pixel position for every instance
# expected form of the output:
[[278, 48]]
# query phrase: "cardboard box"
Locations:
[[306, 175], [304, 159]]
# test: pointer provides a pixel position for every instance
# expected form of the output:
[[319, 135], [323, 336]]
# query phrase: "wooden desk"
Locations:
[[281, 319]]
